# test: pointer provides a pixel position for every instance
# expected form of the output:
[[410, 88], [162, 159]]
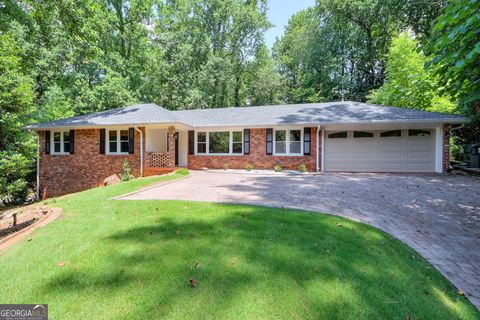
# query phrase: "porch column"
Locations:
[[171, 146]]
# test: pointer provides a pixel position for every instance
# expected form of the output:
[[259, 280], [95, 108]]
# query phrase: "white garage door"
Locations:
[[410, 150]]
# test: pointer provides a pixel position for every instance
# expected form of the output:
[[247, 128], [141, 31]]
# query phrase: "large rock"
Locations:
[[111, 180]]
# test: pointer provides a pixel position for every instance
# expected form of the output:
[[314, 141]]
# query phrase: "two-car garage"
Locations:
[[398, 150]]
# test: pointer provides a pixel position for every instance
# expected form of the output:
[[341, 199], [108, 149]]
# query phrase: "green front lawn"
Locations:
[[134, 259]]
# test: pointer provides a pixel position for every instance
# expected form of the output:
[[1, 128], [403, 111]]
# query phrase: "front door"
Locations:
[[176, 148]]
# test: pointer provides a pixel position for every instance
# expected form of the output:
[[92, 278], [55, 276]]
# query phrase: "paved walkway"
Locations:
[[437, 215]]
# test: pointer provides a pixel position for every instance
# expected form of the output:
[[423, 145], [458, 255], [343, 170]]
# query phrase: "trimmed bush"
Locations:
[[302, 168], [248, 167], [126, 175], [182, 171], [277, 168]]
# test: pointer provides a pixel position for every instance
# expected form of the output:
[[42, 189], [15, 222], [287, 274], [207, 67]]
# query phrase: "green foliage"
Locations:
[[126, 175], [408, 84], [14, 170], [182, 171], [338, 48], [248, 167], [455, 55], [302, 168], [277, 168], [263, 81], [55, 105], [456, 149], [226, 166], [17, 152]]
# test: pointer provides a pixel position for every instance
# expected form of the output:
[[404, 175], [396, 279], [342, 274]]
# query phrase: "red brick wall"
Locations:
[[86, 168], [257, 157], [446, 147]]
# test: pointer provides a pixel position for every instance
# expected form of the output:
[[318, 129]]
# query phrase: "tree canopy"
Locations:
[[408, 83]]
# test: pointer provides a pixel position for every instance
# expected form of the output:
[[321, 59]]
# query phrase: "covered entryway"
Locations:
[[399, 150]]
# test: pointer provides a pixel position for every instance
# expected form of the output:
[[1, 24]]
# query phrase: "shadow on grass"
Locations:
[[257, 262]]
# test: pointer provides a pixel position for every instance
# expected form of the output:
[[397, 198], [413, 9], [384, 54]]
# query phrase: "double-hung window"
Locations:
[[117, 142], [61, 142], [288, 142], [237, 142], [295, 141], [280, 141], [201, 142], [220, 142]]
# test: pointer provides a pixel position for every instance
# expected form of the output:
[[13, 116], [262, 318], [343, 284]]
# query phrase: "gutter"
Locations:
[[141, 149], [459, 120]]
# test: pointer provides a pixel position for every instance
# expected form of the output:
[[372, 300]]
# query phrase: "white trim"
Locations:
[[207, 143], [141, 150], [62, 145], [287, 142], [323, 151], [107, 139], [439, 149]]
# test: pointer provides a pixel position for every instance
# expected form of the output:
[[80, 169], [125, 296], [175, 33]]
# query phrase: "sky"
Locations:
[[279, 11]]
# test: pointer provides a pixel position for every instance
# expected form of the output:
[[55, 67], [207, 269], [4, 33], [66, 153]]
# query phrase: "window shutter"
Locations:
[[102, 141], [246, 141], [47, 142], [72, 141], [131, 140], [191, 142], [307, 138], [269, 144]]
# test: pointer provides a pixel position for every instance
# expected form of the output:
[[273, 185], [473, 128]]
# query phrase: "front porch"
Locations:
[[165, 150]]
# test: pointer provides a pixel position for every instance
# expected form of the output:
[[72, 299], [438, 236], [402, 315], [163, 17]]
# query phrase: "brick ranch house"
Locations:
[[80, 152]]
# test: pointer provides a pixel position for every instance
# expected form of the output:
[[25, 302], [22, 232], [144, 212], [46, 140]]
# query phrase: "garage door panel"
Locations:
[[391, 166], [380, 154]]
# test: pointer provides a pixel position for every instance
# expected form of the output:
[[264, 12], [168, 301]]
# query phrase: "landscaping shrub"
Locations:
[[226, 166], [126, 175], [277, 168], [302, 168], [15, 169], [182, 171], [248, 167]]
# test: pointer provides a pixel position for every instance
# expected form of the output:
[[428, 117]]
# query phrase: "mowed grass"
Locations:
[[134, 259]]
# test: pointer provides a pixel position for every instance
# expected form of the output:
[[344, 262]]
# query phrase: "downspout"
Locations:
[[141, 150], [37, 193], [323, 151], [317, 148]]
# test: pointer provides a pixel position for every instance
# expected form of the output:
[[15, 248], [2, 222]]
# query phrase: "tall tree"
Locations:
[[409, 84], [16, 108], [337, 49], [455, 56]]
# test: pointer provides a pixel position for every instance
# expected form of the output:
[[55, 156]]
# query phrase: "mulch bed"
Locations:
[[25, 217]]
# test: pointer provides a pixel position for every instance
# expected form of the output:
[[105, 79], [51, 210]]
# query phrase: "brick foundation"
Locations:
[[86, 168], [257, 157]]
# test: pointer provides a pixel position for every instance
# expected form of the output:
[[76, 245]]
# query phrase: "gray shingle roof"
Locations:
[[135, 114], [315, 113]]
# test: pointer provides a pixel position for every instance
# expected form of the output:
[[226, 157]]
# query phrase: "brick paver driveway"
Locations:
[[437, 215]]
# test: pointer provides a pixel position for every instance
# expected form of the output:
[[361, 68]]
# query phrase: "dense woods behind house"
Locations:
[[61, 58]]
